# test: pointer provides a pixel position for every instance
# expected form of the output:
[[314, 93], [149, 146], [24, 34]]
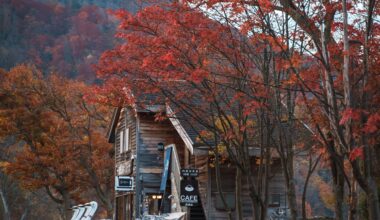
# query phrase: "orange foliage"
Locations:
[[63, 148]]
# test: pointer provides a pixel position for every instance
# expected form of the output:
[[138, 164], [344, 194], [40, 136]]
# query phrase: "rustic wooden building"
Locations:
[[139, 154]]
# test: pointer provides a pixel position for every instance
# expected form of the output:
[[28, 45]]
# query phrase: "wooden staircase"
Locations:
[[197, 213]]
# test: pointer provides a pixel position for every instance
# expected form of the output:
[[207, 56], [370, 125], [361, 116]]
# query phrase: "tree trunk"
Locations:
[[338, 188], [353, 201], [265, 180], [309, 173], [219, 184], [66, 205], [338, 184], [6, 214], [254, 197], [348, 103], [238, 197], [25, 214], [372, 192], [369, 153], [291, 192]]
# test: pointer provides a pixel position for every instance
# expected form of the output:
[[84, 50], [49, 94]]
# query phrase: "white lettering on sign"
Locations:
[[124, 183], [189, 198]]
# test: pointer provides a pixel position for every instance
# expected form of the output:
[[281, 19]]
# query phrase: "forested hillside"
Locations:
[[301, 77], [62, 39], [65, 36]]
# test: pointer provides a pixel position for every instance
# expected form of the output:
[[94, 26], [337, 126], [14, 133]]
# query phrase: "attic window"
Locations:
[[124, 140]]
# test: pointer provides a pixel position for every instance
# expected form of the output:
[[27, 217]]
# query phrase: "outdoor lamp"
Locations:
[[160, 146]]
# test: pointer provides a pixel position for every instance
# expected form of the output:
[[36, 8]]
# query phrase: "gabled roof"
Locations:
[[145, 103], [189, 130], [112, 128]]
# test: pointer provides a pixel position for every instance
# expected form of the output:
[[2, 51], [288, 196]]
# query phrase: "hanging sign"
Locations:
[[189, 193], [189, 172], [124, 183]]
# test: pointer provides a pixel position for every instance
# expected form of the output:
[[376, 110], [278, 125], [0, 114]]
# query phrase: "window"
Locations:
[[229, 197], [129, 207], [124, 140], [154, 203], [275, 200], [121, 138]]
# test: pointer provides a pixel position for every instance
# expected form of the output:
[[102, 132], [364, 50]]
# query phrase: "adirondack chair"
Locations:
[[85, 211], [90, 210], [76, 212]]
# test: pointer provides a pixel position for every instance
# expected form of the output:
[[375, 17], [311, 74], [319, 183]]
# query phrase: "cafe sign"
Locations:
[[189, 193], [124, 183]]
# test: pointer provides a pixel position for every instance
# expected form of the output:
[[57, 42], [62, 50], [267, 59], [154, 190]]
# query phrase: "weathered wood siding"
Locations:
[[208, 189], [127, 120], [201, 163], [150, 159], [124, 164]]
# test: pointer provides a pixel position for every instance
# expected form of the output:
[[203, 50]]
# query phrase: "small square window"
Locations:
[[275, 200]]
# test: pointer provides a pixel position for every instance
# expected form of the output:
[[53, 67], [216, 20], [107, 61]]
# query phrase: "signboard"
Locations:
[[189, 193], [165, 172], [124, 183], [189, 172], [124, 168]]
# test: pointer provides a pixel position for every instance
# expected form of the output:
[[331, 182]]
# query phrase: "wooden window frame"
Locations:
[[121, 141], [124, 137]]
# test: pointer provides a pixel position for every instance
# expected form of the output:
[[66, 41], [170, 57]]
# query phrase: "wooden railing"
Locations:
[[175, 179]]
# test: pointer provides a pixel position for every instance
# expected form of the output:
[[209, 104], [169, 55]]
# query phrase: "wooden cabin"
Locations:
[[142, 145]]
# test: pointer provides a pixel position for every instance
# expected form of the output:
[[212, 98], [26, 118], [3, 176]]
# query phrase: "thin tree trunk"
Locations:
[[25, 213], [338, 188], [372, 191], [254, 194], [291, 190], [353, 201], [256, 202], [309, 173], [66, 205], [219, 184], [6, 214], [348, 103], [373, 201], [265, 179], [287, 156], [338, 180], [346, 76], [238, 197], [332, 113]]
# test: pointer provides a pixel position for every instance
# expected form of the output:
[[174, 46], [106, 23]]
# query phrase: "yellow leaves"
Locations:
[[85, 138], [4, 164], [325, 191], [205, 135]]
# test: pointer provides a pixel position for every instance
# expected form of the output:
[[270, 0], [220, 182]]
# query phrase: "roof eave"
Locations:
[[180, 129], [112, 127]]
